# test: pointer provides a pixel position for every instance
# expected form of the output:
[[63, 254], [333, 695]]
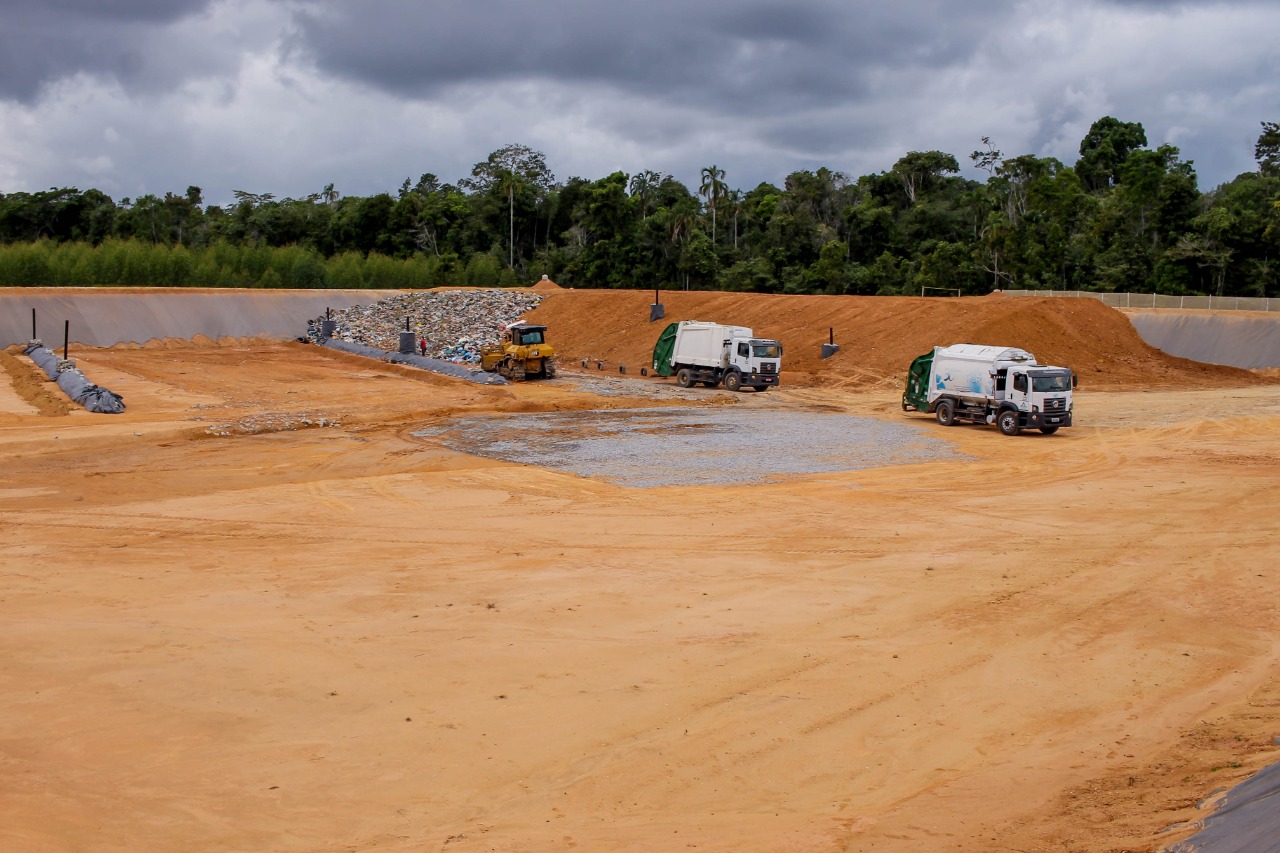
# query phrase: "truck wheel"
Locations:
[[1048, 430], [946, 413], [1007, 421], [733, 381], [684, 377]]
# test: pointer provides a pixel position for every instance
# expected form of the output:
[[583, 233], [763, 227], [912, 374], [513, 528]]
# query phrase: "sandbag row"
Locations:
[[73, 382]]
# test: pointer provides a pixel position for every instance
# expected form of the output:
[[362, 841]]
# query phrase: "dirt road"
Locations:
[[255, 613]]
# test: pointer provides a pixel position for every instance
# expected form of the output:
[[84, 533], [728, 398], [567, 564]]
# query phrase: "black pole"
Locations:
[[831, 333], [655, 295], [33, 324], [326, 313], [66, 338], [406, 324]]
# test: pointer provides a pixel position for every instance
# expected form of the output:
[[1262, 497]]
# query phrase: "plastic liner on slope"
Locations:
[[74, 383], [1239, 341], [1247, 821], [434, 365]]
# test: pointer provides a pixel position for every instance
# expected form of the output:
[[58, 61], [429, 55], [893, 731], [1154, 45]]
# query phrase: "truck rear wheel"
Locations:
[[946, 413], [733, 381], [684, 377], [1007, 421]]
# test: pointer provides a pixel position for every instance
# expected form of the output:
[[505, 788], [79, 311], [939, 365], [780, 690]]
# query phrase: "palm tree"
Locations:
[[683, 221], [507, 181], [643, 185], [735, 196], [712, 189]]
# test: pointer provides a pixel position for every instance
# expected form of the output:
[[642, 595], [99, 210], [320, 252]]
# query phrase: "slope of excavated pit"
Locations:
[[109, 316], [1239, 339]]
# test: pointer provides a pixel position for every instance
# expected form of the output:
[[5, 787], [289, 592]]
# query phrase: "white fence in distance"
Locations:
[[1158, 300]]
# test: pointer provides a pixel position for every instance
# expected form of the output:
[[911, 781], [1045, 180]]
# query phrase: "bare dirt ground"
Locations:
[[254, 612]]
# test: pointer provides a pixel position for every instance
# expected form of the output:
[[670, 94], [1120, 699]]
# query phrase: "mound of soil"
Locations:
[[879, 336]]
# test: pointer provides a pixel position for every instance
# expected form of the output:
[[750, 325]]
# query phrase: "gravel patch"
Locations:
[[682, 446]]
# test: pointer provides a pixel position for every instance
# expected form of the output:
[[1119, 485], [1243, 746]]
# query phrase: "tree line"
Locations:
[[1123, 217]]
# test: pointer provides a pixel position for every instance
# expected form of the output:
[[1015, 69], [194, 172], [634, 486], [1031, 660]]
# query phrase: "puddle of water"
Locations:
[[686, 446]]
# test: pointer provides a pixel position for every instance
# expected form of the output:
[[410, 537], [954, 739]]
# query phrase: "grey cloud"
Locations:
[[730, 55], [43, 41]]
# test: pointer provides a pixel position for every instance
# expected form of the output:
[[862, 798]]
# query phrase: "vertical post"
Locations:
[[831, 335], [406, 324], [66, 338], [33, 324]]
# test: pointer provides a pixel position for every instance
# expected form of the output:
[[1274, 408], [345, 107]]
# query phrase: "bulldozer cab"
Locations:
[[526, 335]]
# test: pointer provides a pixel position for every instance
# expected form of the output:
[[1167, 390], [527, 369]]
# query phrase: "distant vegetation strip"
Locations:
[[133, 263], [1123, 218]]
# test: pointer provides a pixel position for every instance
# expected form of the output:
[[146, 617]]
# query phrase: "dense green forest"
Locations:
[[1125, 217]]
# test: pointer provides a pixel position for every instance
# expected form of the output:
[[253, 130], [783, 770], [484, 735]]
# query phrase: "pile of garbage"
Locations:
[[455, 323]]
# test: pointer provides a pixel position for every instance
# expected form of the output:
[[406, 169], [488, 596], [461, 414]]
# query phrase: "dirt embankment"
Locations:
[[879, 336]]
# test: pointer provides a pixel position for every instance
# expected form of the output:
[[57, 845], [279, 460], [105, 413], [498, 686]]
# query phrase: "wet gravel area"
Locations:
[[684, 446], [618, 386]]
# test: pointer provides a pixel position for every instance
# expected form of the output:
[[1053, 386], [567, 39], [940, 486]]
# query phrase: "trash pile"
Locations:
[[455, 323]]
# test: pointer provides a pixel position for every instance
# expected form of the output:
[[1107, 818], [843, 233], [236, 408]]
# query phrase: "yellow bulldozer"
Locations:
[[522, 354]]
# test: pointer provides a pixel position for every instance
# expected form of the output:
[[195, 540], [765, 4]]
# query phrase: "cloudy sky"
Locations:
[[285, 96]]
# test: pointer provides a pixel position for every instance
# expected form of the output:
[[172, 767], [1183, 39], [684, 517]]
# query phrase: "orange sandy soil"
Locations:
[[224, 630]]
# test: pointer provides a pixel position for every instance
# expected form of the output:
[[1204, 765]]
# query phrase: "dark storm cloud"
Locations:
[[728, 55], [151, 95], [43, 41]]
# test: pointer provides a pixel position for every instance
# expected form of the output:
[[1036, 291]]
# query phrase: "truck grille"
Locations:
[[1058, 405], [768, 367]]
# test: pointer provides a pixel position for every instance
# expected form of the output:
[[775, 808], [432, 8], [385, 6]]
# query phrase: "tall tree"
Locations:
[[1267, 150], [920, 168], [643, 188], [712, 189], [507, 170], [1105, 148]]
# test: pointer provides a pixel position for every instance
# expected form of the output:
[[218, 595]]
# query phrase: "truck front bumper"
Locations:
[[1035, 420]]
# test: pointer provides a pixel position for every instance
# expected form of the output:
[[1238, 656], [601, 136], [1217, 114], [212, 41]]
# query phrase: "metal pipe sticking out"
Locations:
[[34, 336], [831, 334], [66, 338]]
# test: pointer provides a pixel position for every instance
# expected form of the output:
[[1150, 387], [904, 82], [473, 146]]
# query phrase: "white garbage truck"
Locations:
[[712, 353], [978, 384]]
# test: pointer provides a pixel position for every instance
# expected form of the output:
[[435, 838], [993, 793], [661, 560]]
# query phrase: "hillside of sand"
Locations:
[[879, 336]]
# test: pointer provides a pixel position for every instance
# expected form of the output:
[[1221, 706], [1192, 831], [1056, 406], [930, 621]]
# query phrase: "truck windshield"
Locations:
[[1052, 382], [766, 350]]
